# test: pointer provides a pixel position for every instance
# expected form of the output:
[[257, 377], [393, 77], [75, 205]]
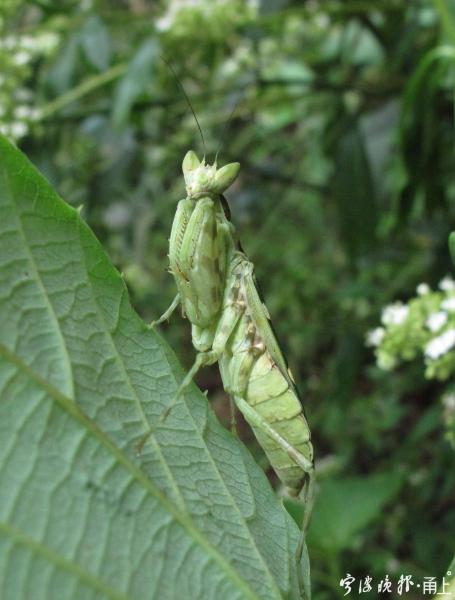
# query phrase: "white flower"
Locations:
[[394, 314], [436, 320], [375, 336], [23, 112], [440, 345], [422, 289], [9, 42], [21, 58], [18, 130], [448, 400], [448, 304], [27, 42], [447, 284]]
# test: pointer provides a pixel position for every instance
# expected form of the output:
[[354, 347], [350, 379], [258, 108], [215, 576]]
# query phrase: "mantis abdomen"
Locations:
[[255, 374]]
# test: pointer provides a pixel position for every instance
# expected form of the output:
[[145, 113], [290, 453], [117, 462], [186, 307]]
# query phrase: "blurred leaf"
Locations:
[[82, 379], [417, 84], [94, 39], [354, 193], [62, 73], [138, 77], [360, 45], [346, 506], [378, 128], [452, 246], [446, 9]]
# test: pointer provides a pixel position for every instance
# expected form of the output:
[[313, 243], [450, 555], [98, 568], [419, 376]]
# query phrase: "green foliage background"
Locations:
[[344, 127]]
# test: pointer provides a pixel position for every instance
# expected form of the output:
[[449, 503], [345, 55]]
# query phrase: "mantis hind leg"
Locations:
[[307, 496], [224, 329], [258, 421], [301, 553], [307, 491]]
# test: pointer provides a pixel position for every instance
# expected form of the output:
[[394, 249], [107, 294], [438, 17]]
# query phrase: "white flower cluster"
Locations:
[[23, 115], [40, 43], [15, 130], [166, 21], [440, 345], [426, 324], [17, 52]]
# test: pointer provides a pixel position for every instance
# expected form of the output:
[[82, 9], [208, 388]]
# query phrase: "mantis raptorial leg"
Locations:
[[168, 312], [202, 359], [226, 325]]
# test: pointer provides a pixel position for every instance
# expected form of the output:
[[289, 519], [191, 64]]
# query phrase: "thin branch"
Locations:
[[315, 85], [86, 87]]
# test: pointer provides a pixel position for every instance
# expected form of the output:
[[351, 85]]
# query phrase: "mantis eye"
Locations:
[[225, 176], [190, 162]]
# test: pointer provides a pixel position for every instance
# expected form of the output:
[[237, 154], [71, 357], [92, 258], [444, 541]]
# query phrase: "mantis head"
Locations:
[[201, 178]]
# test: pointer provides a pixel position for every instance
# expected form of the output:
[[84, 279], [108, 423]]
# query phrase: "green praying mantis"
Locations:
[[230, 325]]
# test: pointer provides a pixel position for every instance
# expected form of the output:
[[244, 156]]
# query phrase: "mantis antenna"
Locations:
[[225, 128], [171, 69]]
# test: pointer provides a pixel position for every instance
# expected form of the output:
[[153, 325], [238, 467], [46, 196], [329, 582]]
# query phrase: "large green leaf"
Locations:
[[81, 379]]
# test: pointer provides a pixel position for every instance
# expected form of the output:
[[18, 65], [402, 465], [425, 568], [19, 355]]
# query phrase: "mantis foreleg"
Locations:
[[226, 324], [202, 359], [168, 312]]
